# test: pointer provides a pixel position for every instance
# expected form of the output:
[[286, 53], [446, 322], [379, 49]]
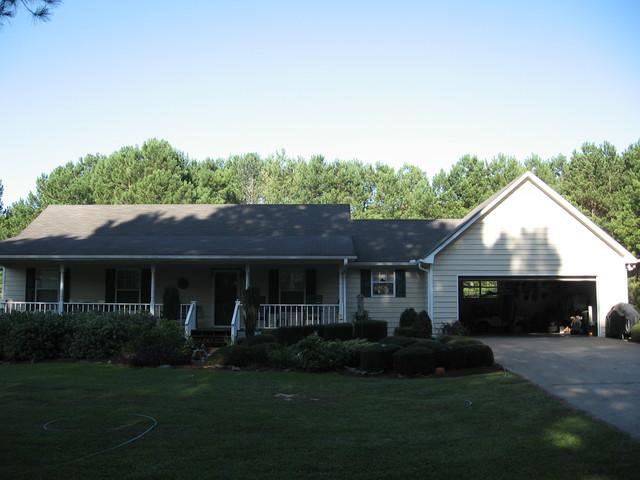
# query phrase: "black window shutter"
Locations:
[[30, 286], [310, 281], [365, 283], [274, 287], [145, 285], [67, 285], [401, 283], [110, 286]]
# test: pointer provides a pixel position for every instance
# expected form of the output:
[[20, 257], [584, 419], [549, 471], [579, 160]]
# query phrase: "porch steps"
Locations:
[[211, 337]]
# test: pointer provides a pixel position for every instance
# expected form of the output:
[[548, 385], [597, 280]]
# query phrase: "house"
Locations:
[[524, 260]]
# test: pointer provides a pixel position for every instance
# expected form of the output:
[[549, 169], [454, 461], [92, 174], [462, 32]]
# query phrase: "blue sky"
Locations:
[[393, 82]]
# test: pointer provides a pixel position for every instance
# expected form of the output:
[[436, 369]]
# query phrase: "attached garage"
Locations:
[[528, 304], [526, 260]]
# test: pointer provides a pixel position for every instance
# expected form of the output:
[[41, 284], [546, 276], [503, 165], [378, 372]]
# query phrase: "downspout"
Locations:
[[343, 273]]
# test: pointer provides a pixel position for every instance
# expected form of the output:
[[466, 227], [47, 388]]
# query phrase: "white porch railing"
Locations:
[[9, 307], [74, 307], [236, 321], [190, 319], [284, 315], [92, 307]]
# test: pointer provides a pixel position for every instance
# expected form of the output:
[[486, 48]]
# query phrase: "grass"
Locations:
[[234, 425]]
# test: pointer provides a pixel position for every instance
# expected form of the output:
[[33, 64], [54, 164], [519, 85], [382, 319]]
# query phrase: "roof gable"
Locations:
[[494, 201]]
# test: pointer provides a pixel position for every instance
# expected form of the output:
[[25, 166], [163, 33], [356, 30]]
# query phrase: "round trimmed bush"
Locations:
[[398, 340], [378, 357], [459, 340], [455, 357], [414, 360], [479, 356], [237, 356]]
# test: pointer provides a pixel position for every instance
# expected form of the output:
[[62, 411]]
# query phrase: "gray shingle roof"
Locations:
[[304, 231], [398, 240]]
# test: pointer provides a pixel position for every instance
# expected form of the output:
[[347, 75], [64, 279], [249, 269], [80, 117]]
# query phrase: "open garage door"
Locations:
[[528, 304]]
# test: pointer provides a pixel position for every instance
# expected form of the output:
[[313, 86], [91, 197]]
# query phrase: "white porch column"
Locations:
[[61, 291], [342, 270], [152, 297], [247, 274]]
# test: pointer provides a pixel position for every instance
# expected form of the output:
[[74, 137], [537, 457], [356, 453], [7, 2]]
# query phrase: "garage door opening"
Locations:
[[527, 305]]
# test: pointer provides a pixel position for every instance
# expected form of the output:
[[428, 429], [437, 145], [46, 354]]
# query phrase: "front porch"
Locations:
[[291, 293]]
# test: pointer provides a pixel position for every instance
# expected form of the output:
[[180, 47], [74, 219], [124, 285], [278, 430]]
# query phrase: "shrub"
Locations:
[[35, 336], [259, 353], [399, 340], [162, 344], [99, 337], [455, 328], [281, 356], [459, 340], [459, 356], [237, 355], [635, 333], [257, 340], [90, 336], [371, 330], [291, 335], [414, 360], [455, 357], [314, 354], [351, 351], [336, 331], [408, 317], [378, 357], [422, 324], [479, 356]]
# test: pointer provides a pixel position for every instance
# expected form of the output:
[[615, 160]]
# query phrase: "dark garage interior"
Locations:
[[527, 305]]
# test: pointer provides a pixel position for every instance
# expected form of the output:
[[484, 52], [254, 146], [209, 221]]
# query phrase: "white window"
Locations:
[[47, 285], [128, 286], [292, 286], [383, 283]]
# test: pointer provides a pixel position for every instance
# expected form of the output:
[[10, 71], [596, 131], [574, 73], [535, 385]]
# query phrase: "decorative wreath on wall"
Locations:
[[183, 283]]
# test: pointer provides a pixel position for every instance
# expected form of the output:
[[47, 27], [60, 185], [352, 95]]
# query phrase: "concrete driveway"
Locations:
[[598, 375]]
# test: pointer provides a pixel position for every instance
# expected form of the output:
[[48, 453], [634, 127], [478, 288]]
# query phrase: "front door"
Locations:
[[225, 294]]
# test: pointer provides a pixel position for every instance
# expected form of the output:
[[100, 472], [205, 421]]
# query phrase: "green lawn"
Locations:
[[223, 424]]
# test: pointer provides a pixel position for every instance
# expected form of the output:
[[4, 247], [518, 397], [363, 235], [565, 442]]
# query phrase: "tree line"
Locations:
[[603, 183]]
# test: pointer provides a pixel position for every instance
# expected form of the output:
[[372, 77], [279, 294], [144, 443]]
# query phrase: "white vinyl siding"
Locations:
[[528, 234], [388, 308]]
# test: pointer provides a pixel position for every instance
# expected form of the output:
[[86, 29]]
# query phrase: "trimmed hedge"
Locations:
[[458, 357], [399, 340], [257, 340], [414, 360], [378, 357], [81, 336], [635, 333], [372, 330], [414, 324]]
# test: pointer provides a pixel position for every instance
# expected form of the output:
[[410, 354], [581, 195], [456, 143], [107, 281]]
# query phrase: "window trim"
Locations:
[[392, 272], [37, 288], [139, 289]]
